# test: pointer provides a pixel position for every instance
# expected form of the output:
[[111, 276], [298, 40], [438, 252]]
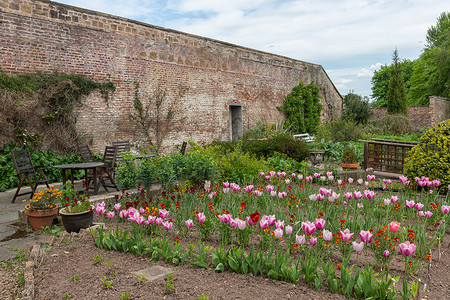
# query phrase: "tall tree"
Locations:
[[396, 99], [356, 108]]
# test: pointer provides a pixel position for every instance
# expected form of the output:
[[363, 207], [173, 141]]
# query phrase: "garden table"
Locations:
[[81, 166]]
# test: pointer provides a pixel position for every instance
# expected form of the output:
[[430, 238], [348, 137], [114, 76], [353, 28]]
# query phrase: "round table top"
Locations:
[[80, 166]]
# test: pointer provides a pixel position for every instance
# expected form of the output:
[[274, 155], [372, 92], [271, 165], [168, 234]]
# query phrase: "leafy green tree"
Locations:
[[356, 108], [302, 108], [396, 100], [380, 82]]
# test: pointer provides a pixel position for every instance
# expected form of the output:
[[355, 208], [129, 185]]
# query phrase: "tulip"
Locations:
[[278, 233], [313, 241], [261, 174], [308, 178], [394, 199], [248, 188], [235, 187], [365, 236], [272, 173], [300, 239], [140, 220], [110, 215], [335, 196], [436, 183], [300, 176], [241, 224], [100, 209], [293, 175], [386, 253], [288, 229], [258, 193], [267, 178], [319, 197], [263, 224], [313, 197], [358, 246], [255, 216], [141, 210], [428, 214], [317, 175], [329, 173], [226, 190], [421, 214], [369, 194], [207, 185], [225, 218], [339, 181], [163, 213], [348, 195], [359, 205], [234, 223], [287, 181], [269, 188], [282, 174], [394, 226], [350, 180], [271, 219], [357, 195], [370, 177], [319, 224], [279, 224], [123, 214], [360, 181], [407, 248], [346, 235], [445, 209], [167, 225], [189, 223], [419, 206], [273, 193], [323, 178], [410, 204], [282, 195], [212, 195], [151, 219], [308, 227], [117, 206], [327, 235], [387, 201], [201, 217], [249, 221], [158, 221], [226, 184]]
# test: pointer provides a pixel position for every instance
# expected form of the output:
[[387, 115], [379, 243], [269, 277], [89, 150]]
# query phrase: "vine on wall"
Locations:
[[37, 109], [302, 108]]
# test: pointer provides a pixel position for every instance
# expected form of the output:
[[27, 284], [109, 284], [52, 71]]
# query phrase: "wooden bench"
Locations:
[[305, 137]]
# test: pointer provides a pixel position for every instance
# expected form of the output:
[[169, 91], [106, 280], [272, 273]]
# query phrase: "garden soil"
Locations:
[[68, 271]]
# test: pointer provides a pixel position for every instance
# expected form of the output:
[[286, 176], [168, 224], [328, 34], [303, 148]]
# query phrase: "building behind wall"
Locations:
[[228, 87]]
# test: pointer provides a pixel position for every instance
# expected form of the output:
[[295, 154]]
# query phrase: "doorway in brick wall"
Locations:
[[235, 122]]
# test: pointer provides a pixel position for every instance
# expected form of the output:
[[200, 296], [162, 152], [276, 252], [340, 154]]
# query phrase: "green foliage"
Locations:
[[41, 160], [348, 155], [147, 171], [335, 150], [281, 162], [127, 172], [431, 157], [396, 98], [302, 108], [342, 130], [356, 108], [200, 167], [393, 125]]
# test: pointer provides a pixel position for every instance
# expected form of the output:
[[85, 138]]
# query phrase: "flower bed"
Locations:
[[291, 227]]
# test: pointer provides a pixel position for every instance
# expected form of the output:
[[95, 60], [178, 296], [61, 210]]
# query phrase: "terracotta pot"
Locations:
[[41, 218], [74, 222], [351, 167]]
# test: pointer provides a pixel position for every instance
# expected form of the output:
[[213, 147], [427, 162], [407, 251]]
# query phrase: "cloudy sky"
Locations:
[[349, 38]]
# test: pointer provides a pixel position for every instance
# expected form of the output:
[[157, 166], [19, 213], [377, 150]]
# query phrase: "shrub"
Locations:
[[345, 130], [357, 108], [200, 167], [431, 157], [281, 162], [127, 172], [348, 155], [393, 124], [148, 171]]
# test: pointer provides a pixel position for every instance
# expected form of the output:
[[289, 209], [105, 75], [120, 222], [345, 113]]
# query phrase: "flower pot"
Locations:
[[351, 167], [73, 222], [41, 218]]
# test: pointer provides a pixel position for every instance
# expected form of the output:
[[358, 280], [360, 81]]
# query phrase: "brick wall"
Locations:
[[422, 116], [47, 36]]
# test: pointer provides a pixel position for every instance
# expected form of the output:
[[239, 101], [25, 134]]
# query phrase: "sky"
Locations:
[[349, 38]]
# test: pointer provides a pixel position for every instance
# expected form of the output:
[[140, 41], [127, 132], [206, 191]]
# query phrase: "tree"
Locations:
[[380, 82], [396, 98], [302, 108], [356, 108]]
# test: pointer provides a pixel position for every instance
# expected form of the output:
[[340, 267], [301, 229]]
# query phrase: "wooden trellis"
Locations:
[[386, 155]]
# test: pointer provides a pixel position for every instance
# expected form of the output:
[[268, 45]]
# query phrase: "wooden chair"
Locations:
[[183, 148], [26, 173], [87, 156], [107, 171], [122, 146]]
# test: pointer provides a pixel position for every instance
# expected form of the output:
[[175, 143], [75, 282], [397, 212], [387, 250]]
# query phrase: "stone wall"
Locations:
[[47, 36], [422, 116]]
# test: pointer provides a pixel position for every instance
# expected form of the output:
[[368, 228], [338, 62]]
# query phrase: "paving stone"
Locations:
[[153, 273]]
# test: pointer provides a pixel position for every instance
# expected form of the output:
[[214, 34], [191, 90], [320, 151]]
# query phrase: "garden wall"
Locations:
[[47, 36], [422, 116]]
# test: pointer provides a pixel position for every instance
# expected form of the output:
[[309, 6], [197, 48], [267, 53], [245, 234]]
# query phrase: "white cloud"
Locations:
[[369, 72]]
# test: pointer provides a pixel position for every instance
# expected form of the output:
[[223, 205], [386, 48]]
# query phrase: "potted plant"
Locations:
[[77, 212], [43, 208], [348, 159]]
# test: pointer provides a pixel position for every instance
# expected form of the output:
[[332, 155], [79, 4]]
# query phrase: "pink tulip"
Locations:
[[329, 173], [261, 174], [323, 178], [350, 180], [339, 181], [158, 221], [226, 184], [387, 201], [346, 235], [359, 205], [273, 194], [163, 213], [141, 210], [325, 192], [308, 178], [369, 194], [117, 206], [271, 219], [319, 224], [267, 178], [357, 195], [123, 214], [313, 241], [258, 193], [308, 227], [317, 175], [320, 197], [288, 229], [421, 214], [189, 223], [348, 195], [100, 209], [300, 239], [300, 176], [360, 181], [249, 221], [207, 185], [225, 218], [428, 214], [419, 206], [358, 246], [226, 190], [293, 175], [282, 195], [313, 197], [407, 248], [140, 220], [386, 253], [212, 195], [436, 183], [151, 219], [201, 217], [272, 173], [279, 224], [394, 226], [327, 235], [234, 223], [167, 225], [241, 224], [365, 236], [263, 223], [410, 204], [287, 181], [278, 233], [445, 209], [248, 188], [370, 177], [110, 215], [394, 199]]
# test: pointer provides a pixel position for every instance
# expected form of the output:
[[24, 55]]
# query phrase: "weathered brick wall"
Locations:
[[46, 36], [422, 116]]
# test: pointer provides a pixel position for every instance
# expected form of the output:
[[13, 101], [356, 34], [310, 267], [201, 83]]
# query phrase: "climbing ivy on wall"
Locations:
[[302, 108], [37, 108]]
